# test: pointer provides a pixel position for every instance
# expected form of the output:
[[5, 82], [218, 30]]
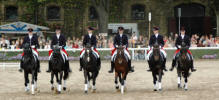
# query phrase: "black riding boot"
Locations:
[[80, 69], [173, 65], [21, 67], [67, 65], [112, 67], [38, 66], [149, 70], [131, 69], [164, 65], [192, 67]]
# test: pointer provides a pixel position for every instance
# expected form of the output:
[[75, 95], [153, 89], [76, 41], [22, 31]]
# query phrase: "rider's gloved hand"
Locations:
[[117, 46], [92, 48], [160, 47], [33, 46], [179, 46]]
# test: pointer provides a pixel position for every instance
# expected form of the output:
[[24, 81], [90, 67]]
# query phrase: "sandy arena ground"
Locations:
[[203, 84]]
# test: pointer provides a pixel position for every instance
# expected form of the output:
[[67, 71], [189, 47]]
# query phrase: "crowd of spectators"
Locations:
[[107, 42]]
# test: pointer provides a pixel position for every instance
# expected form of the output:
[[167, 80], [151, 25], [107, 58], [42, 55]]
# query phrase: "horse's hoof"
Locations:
[[94, 91], [52, 88], [155, 89], [117, 87], [186, 89], [179, 86], [160, 89], [85, 92], [64, 88], [58, 92]]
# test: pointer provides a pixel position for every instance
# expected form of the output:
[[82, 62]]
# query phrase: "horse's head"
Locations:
[[120, 53], [27, 49], [156, 51], [56, 50], [183, 50], [88, 52]]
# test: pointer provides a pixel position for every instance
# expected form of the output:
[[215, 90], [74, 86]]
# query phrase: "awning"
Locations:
[[21, 28]]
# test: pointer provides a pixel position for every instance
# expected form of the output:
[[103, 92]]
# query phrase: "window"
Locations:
[[53, 13], [138, 12], [11, 13], [92, 13]]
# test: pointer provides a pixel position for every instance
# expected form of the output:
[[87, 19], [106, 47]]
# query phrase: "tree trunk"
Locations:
[[217, 14], [102, 8], [102, 20]]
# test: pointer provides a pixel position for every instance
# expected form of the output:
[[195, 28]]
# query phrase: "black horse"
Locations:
[[91, 68], [121, 68], [29, 64], [184, 64], [58, 68], [156, 64]]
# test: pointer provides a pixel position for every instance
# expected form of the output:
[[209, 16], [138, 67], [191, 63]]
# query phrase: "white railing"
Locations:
[[132, 50]]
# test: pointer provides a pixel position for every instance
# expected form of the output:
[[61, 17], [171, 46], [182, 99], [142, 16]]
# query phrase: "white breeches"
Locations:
[[161, 50], [93, 51], [64, 56], [126, 53]]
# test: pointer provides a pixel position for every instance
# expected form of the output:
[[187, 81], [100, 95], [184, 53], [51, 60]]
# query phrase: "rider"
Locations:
[[61, 41], [157, 38], [180, 39], [120, 39], [33, 41], [91, 39]]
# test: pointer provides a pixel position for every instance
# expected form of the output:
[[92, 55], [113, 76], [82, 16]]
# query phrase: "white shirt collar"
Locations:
[[90, 35], [156, 35], [182, 36], [58, 35], [30, 36], [120, 35]]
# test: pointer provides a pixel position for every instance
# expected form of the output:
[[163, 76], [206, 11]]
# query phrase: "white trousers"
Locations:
[[64, 56], [161, 50], [126, 53], [93, 51]]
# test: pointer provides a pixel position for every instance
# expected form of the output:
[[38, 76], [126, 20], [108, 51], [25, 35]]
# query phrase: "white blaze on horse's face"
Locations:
[[88, 58]]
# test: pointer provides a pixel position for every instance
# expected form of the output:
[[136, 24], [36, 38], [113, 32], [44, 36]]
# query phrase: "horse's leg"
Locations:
[[186, 81], [57, 80], [94, 80], [65, 78], [89, 78], [51, 81], [60, 82], [116, 81], [85, 82], [32, 82], [159, 81], [35, 81], [154, 80], [122, 82], [179, 77], [27, 88]]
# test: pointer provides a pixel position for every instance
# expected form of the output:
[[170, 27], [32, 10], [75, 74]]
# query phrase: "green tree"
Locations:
[[102, 8]]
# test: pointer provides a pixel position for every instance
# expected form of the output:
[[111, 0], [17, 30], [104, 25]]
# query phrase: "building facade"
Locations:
[[198, 16]]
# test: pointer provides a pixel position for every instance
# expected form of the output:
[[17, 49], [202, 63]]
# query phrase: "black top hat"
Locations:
[[120, 28], [30, 30], [90, 28], [155, 28]]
